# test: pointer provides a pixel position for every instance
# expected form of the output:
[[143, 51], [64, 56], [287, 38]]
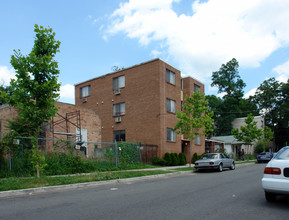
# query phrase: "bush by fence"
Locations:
[[170, 159], [16, 159]]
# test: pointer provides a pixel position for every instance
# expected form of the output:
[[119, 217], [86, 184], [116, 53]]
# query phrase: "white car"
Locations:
[[276, 175]]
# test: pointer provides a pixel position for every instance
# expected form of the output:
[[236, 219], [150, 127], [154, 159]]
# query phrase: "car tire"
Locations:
[[270, 197], [232, 167], [220, 167]]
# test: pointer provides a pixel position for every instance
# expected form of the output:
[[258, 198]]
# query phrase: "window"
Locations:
[[198, 139], [171, 134], [119, 109], [84, 91], [197, 88], [171, 106], [170, 77], [119, 82], [119, 135]]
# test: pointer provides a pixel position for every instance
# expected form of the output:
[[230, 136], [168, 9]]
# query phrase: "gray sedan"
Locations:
[[215, 161]]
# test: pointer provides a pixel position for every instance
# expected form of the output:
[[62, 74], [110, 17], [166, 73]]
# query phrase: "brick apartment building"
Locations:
[[139, 104]]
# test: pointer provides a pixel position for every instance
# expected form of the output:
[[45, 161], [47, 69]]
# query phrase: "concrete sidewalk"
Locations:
[[33, 191]]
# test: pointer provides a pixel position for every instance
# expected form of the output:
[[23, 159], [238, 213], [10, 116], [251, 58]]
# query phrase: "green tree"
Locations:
[[272, 100], [228, 80], [268, 136], [196, 118], [4, 89], [248, 133], [35, 89], [232, 105]]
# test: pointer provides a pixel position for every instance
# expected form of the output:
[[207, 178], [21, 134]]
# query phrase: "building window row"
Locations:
[[170, 77], [171, 105], [119, 109], [119, 82], [84, 91], [171, 135]]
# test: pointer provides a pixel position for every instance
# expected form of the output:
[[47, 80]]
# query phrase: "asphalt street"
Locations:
[[230, 194]]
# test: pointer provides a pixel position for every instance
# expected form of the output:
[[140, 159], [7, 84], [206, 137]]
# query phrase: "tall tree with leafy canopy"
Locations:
[[232, 105], [196, 118], [228, 80], [35, 89], [272, 100]]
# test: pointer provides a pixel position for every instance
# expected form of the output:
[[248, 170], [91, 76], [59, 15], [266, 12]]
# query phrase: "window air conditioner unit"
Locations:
[[117, 119], [84, 99], [117, 91]]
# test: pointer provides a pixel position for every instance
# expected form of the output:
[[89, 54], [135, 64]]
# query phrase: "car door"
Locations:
[[225, 160]]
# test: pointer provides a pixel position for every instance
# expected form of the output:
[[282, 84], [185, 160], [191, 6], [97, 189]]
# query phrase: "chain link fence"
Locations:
[[114, 153]]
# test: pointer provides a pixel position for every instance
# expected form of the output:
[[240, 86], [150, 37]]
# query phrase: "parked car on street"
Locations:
[[265, 157], [215, 161], [276, 175]]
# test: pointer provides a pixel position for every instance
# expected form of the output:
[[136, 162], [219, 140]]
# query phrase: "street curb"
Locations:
[[33, 191]]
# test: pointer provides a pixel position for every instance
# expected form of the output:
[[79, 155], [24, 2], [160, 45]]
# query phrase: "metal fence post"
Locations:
[[116, 154]]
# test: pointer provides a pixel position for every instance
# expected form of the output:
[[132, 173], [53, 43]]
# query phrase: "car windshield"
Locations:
[[283, 154], [209, 156]]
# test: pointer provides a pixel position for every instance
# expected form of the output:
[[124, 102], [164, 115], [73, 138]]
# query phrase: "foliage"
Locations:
[[5, 89], [175, 159], [260, 147], [25, 183], [37, 159], [128, 153], [168, 159], [231, 105], [196, 118], [195, 157], [158, 161], [248, 133], [227, 79], [182, 159], [272, 100], [35, 89], [268, 136]]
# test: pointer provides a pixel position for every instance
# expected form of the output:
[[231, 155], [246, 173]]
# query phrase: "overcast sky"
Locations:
[[196, 37]]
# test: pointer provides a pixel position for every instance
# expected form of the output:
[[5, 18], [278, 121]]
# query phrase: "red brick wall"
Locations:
[[145, 93], [88, 118], [188, 89]]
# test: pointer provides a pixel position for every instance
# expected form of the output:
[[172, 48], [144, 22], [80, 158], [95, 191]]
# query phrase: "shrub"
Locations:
[[259, 147], [158, 161], [168, 159], [175, 159], [128, 154], [195, 157], [182, 159]]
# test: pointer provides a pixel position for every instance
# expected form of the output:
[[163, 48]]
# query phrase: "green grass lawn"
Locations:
[[15, 183]]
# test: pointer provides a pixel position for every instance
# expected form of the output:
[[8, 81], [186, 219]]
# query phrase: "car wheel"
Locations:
[[270, 197], [220, 168], [232, 167]]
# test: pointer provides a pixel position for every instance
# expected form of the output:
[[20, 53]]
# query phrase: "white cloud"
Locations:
[[6, 75], [67, 91], [215, 32], [283, 71], [250, 93]]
